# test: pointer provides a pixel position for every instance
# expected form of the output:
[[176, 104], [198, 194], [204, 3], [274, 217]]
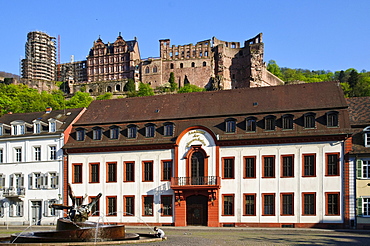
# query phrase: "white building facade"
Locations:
[[31, 165]]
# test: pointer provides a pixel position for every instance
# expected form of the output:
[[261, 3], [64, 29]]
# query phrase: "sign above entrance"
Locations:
[[196, 137]]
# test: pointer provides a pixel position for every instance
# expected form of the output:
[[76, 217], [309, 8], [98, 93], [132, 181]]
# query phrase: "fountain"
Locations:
[[76, 228]]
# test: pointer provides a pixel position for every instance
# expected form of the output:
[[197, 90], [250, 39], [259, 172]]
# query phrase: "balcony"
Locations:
[[204, 182], [14, 192]]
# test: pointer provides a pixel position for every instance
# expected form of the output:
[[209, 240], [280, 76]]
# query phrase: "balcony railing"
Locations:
[[13, 191], [195, 181]]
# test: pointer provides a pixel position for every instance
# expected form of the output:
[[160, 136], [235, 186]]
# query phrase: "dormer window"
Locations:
[[37, 127], [270, 123], [131, 131], [230, 125], [149, 130], [332, 119], [168, 129], [251, 124], [18, 127], [1, 129], [309, 120], [52, 125], [114, 132], [97, 132], [80, 134], [287, 121], [366, 133]]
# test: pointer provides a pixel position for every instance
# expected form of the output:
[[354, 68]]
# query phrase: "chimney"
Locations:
[[49, 109]]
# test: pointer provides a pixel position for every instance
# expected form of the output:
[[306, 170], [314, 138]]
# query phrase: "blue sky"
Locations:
[[311, 34]]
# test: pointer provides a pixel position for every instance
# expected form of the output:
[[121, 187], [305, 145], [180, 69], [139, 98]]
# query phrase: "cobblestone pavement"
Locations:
[[178, 236]]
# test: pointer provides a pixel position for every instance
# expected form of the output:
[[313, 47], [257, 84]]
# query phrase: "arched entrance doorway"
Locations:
[[197, 210]]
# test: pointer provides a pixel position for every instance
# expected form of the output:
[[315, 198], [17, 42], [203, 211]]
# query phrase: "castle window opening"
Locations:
[[147, 70], [118, 88], [155, 69], [233, 45], [109, 89], [193, 64], [206, 53], [171, 66], [181, 65], [204, 64]]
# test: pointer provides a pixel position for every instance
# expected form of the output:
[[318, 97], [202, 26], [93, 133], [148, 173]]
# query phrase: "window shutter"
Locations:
[[22, 180], [21, 209], [30, 184], [46, 208], [11, 209], [359, 206], [359, 168]]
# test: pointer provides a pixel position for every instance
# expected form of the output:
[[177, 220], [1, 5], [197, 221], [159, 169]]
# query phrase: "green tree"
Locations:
[[273, 68], [190, 88], [79, 100], [105, 96], [145, 90], [173, 84], [130, 86]]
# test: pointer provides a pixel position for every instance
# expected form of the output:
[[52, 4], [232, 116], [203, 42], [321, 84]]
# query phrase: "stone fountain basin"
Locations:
[[68, 231]]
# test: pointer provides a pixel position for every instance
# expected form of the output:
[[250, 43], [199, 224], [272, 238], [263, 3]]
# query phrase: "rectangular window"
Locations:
[[270, 123], [97, 132], [250, 204], [129, 168], [287, 122], [230, 126], [287, 204], [18, 154], [332, 203], [365, 206], [332, 164], [251, 125], [228, 168], [94, 172], [53, 152], [132, 132], [37, 152], [249, 167], [1, 156], [309, 121], [52, 127], [228, 204], [166, 170], [332, 119], [166, 205], [95, 209], [147, 171], [287, 163], [268, 167], [309, 165], [111, 206], [129, 205], [111, 172], [150, 131], [309, 203], [168, 129], [77, 172], [114, 133], [54, 182], [268, 201], [147, 205], [365, 174], [37, 127]]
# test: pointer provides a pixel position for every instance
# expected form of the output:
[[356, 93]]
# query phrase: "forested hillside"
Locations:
[[354, 83]]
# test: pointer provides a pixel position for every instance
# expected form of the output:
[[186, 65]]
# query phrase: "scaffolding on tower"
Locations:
[[59, 66]]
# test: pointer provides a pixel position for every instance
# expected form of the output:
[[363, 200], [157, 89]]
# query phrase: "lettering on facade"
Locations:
[[196, 136]]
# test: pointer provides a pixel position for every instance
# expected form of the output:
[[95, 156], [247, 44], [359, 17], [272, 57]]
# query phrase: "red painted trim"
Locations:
[[245, 166], [107, 206], [263, 204], [303, 202], [143, 171], [263, 167], [282, 203], [314, 165], [73, 173], [327, 205], [223, 167], [162, 170], [282, 166], [327, 163], [223, 204], [124, 171], [244, 204], [107, 172]]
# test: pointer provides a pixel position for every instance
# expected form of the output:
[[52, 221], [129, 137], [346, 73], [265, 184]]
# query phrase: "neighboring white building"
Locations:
[[272, 156], [31, 165]]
